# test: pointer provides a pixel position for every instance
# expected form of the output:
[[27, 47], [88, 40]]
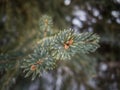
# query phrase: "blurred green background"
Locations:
[[18, 33]]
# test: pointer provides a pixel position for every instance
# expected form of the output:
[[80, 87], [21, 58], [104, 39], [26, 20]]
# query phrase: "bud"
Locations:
[[33, 67]]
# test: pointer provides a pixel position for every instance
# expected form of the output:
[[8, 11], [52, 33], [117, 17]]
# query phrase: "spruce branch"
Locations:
[[62, 46], [55, 47], [67, 43], [46, 25], [38, 62]]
